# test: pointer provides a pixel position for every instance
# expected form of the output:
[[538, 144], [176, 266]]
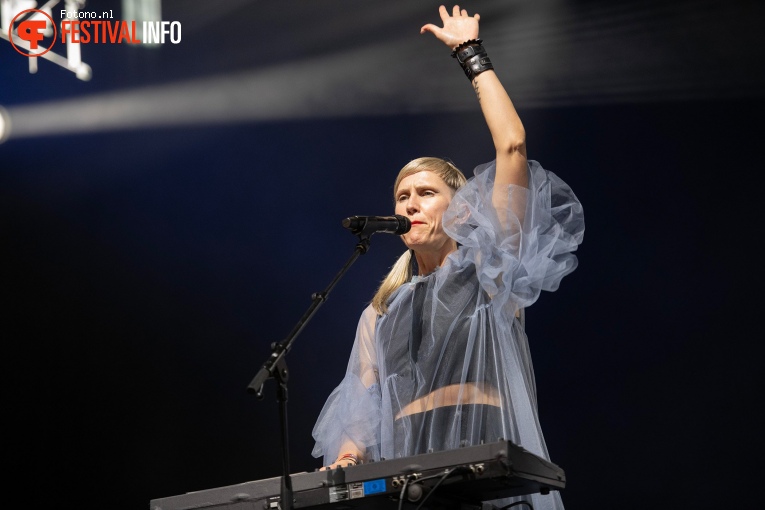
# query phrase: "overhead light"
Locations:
[[142, 11], [10, 9], [5, 124]]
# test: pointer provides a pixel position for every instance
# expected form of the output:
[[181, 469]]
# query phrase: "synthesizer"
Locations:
[[452, 479]]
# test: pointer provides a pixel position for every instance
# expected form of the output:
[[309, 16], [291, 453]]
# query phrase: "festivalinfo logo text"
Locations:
[[86, 27]]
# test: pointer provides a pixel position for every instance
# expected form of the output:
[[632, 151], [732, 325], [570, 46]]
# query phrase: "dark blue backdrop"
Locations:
[[146, 272]]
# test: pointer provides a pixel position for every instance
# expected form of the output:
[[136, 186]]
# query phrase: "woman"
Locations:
[[441, 358]]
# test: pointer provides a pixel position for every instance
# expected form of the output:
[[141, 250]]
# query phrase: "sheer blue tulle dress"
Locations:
[[461, 326]]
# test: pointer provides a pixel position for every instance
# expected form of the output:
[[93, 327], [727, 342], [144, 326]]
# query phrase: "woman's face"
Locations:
[[423, 197]]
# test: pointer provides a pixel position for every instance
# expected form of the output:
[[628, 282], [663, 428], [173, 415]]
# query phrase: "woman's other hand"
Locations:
[[344, 460], [340, 463]]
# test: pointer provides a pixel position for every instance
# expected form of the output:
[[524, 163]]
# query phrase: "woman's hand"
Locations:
[[458, 28], [344, 460], [334, 465]]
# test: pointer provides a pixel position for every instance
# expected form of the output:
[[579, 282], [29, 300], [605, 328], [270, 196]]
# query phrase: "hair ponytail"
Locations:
[[400, 273]]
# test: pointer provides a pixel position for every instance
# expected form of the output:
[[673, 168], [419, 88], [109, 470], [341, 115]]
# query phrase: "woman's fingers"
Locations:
[[456, 12], [433, 29], [335, 465], [444, 13]]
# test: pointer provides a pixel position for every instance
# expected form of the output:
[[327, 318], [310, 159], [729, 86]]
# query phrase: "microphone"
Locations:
[[395, 224]]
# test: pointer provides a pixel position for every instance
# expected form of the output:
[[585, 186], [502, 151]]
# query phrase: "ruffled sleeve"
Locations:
[[523, 245], [352, 411]]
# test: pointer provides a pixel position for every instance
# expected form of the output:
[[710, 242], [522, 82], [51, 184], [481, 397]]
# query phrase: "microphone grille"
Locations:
[[404, 224]]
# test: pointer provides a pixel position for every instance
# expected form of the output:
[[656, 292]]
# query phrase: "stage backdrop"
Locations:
[[166, 220]]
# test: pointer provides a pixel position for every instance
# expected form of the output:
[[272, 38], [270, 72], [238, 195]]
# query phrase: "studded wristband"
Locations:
[[472, 58]]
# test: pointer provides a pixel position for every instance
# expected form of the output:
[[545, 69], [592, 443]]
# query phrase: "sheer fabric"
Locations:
[[458, 329]]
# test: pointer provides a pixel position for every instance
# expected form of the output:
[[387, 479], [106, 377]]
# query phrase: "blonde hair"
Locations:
[[402, 271]]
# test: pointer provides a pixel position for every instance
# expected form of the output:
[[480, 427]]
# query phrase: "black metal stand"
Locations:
[[276, 367]]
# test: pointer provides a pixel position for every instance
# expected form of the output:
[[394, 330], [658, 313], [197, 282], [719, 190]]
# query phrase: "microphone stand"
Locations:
[[276, 367]]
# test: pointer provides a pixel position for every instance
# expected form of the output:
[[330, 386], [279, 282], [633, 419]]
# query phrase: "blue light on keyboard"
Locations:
[[374, 486]]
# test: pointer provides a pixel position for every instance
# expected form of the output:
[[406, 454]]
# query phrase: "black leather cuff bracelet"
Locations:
[[472, 58]]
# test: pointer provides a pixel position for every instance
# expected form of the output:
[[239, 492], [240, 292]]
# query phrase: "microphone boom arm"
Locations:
[[278, 351], [276, 367]]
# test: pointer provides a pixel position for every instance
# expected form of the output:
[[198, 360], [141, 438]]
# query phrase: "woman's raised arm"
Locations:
[[504, 124]]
